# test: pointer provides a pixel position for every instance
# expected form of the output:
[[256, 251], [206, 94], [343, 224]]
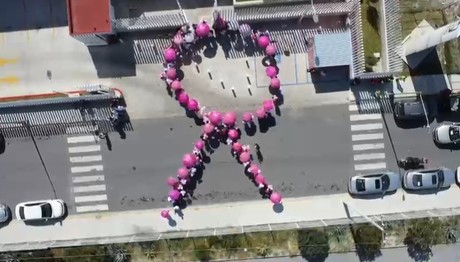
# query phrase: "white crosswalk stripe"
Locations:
[[368, 144], [86, 174]]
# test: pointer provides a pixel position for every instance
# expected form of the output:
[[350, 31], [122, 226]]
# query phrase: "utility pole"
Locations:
[[27, 124]]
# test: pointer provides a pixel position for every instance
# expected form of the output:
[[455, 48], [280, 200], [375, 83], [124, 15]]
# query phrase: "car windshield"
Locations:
[[47, 211], [385, 182], [21, 212], [377, 184], [454, 133], [417, 180], [441, 177], [360, 185], [434, 179]]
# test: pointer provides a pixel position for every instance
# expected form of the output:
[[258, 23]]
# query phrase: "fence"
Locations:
[[155, 236]]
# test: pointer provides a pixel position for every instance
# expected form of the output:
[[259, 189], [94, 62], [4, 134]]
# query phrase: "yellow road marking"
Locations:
[[7, 61], [9, 80]]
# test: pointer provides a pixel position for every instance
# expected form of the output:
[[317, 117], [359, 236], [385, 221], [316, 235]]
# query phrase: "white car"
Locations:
[[40, 210], [426, 179], [378, 183], [447, 134]]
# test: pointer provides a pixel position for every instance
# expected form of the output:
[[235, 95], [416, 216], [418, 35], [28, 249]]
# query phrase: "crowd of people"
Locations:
[[217, 127]]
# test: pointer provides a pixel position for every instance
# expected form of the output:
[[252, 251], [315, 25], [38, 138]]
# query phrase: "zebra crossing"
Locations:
[[368, 103], [150, 51], [88, 180], [367, 140]]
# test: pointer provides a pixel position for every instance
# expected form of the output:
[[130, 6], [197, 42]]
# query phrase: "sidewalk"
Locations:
[[231, 218]]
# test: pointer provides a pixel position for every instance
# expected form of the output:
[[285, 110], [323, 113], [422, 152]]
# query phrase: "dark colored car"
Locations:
[[2, 143], [406, 110]]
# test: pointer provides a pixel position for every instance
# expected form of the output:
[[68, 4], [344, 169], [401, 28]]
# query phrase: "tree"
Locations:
[[313, 244], [368, 241], [421, 235]]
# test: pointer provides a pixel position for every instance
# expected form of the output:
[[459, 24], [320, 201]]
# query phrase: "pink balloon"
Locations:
[[260, 179], [215, 117], [233, 134], [276, 198], [247, 117], [170, 55], [203, 29], [171, 181], [165, 213], [208, 128], [270, 50], [268, 105], [230, 118], [245, 157], [183, 98], [176, 85], [192, 105], [189, 160], [199, 144], [271, 71], [263, 41], [174, 194], [171, 73], [182, 173], [275, 83], [261, 113], [254, 169], [237, 147]]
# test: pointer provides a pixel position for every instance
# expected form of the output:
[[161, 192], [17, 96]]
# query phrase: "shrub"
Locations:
[[202, 253], [371, 60], [313, 244], [421, 235], [372, 16], [368, 241]]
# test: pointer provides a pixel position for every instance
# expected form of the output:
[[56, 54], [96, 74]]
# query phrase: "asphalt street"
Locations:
[[440, 253], [417, 142], [306, 153], [23, 177]]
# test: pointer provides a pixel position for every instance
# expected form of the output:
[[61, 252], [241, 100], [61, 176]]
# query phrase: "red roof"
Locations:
[[89, 16]]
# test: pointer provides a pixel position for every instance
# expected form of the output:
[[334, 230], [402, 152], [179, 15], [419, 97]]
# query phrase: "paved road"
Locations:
[[23, 177], [307, 153], [417, 142], [440, 253]]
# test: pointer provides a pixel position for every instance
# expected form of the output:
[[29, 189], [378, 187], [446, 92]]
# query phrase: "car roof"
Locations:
[[32, 212], [413, 108]]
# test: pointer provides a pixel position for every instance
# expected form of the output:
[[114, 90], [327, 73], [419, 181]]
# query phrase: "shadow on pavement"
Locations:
[[334, 79], [18, 15], [115, 60]]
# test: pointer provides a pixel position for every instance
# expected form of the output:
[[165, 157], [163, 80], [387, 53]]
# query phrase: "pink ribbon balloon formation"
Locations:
[[247, 117], [260, 179], [189, 160], [165, 214], [245, 157], [254, 169], [183, 98], [271, 71], [230, 118], [208, 128], [174, 194], [237, 147], [171, 73], [261, 113], [171, 181], [176, 85], [233, 134], [270, 50], [202, 29], [192, 105], [275, 83], [215, 117], [268, 105], [199, 145]]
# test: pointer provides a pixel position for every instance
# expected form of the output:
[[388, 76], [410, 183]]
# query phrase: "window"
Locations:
[[434, 179], [21, 213], [47, 211], [360, 185], [417, 180], [377, 184]]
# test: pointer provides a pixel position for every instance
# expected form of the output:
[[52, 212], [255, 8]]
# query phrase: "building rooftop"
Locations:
[[333, 49], [89, 16]]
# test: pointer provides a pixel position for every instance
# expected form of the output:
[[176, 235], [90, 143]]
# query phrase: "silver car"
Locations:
[[428, 179], [447, 134], [378, 183]]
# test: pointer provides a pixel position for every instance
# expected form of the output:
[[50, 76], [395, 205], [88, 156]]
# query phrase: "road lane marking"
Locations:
[[93, 198], [87, 179], [366, 127], [380, 165], [361, 147], [365, 117], [84, 149], [85, 189], [80, 139], [353, 107], [372, 156], [83, 159], [85, 169], [362, 137], [92, 208]]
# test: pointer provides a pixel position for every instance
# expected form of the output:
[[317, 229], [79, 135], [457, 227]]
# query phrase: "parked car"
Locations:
[[428, 179], [5, 213], [447, 133], [40, 210], [378, 183], [409, 110]]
